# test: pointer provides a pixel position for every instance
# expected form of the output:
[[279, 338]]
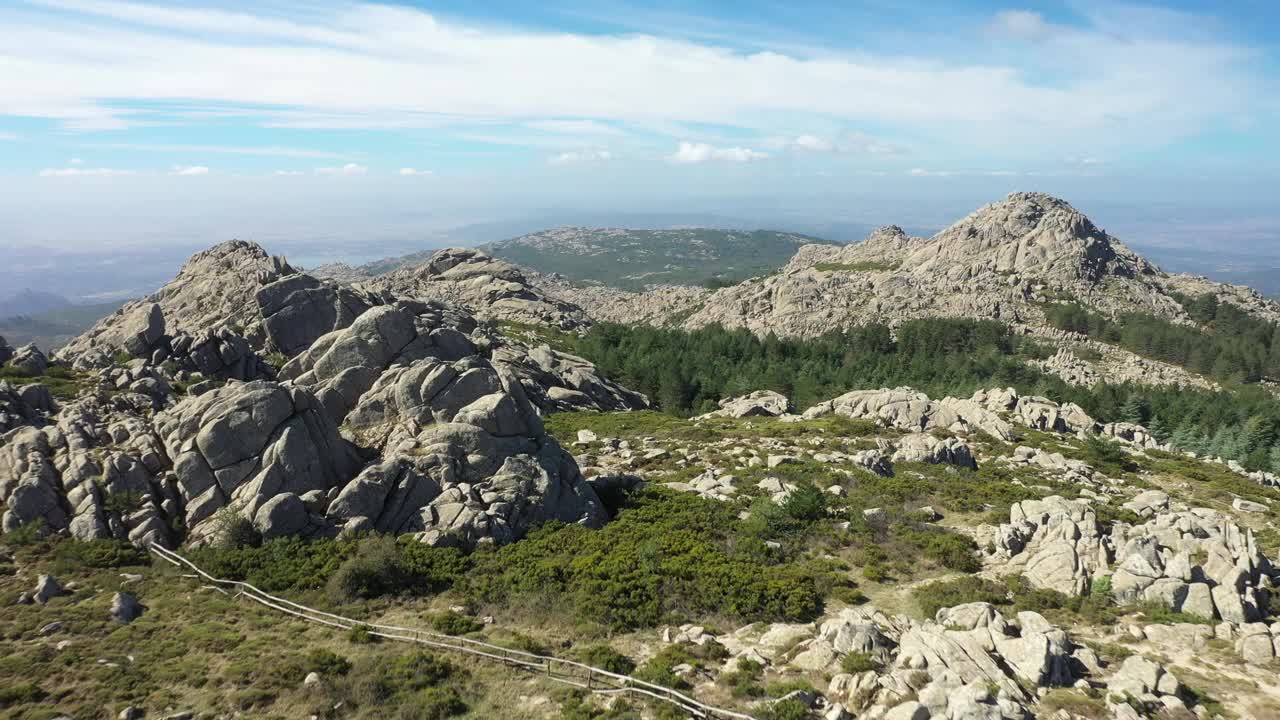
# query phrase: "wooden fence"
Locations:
[[569, 672]]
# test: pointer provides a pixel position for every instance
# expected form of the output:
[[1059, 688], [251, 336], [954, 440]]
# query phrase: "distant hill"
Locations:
[[30, 301], [51, 329], [632, 259], [624, 258]]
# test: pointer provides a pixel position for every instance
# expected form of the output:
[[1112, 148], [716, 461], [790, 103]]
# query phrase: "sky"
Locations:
[[137, 122]]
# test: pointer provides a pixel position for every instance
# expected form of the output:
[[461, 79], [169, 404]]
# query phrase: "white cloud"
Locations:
[[413, 172], [1100, 84], [850, 142], [8, 136], [696, 153], [1086, 160], [814, 143], [190, 170], [75, 161], [288, 172], [1025, 24], [82, 172], [580, 157], [348, 170]]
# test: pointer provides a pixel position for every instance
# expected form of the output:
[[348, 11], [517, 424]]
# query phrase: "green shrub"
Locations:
[[326, 662], [666, 552], [26, 693], [606, 658], [744, 682], [452, 623], [934, 596], [362, 635], [856, 662], [278, 565], [100, 553], [375, 569], [786, 710]]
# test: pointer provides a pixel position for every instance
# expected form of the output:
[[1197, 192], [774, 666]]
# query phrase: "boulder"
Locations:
[[125, 608], [30, 360], [925, 448], [142, 328], [761, 403], [47, 588]]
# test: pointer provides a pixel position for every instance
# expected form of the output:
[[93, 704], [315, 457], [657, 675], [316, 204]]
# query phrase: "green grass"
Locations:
[[63, 382], [538, 334]]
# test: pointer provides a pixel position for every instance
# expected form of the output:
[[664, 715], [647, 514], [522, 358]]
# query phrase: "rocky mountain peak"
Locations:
[[493, 289], [238, 256], [1027, 233]]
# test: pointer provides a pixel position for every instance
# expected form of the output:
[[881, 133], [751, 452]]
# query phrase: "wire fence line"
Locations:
[[569, 672]]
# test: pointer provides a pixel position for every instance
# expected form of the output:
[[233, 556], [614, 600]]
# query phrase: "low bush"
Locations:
[[376, 568], [606, 658], [857, 662], [934, 596], [665, 553], [100, 553], [452, 623]]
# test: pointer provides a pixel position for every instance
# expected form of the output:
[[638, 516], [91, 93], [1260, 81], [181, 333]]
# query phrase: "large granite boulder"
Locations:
[[245, 444], [297, 309]]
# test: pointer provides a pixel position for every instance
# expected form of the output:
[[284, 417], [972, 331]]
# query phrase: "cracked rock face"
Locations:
[[465, 458], [341, 366], [245, 446]]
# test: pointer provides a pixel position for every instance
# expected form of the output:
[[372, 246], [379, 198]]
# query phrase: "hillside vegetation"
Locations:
[[689, 372], [632, 259]]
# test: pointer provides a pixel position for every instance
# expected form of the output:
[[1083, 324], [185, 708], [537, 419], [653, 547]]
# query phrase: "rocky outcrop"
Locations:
[[905, 409], [6, 351], [88, 476], [341, 366], [29, 360], [297, 309], [761, 403], [556, 381], [993, 412], [30, 404], [250, 446], [925, 448], [465, 457], [659, 305], [215, 289], [968, 662], [491, 289], [1192, 560]]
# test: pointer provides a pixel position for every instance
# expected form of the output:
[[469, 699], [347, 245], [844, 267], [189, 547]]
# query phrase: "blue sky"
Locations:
[[117, 114]]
